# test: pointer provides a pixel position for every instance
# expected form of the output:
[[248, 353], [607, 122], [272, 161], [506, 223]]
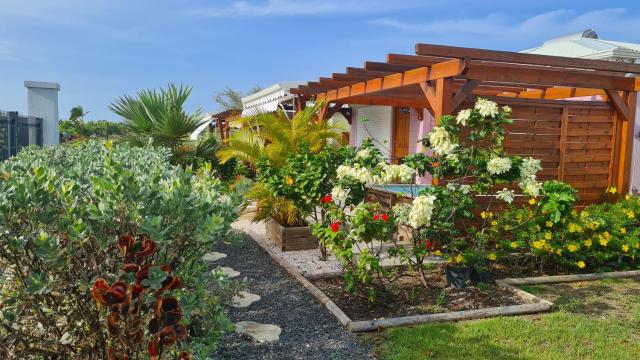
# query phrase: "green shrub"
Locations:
[[71, 130], [62, 210], [601, 237]]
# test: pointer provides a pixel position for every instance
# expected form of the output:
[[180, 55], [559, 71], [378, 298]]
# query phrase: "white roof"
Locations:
[[587, 45], [268, 99]]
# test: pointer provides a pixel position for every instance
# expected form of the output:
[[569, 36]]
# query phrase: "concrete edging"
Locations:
[[538, 305], [556, 279]]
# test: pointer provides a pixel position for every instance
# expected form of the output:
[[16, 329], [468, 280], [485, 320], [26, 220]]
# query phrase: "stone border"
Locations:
[[538, 305], [556, 279]]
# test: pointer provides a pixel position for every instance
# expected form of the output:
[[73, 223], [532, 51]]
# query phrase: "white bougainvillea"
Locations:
[[339, 194], [506, 195], [441, 141], [487, 108], [421, 211], [392, 173], [463, 117], [498, 165]]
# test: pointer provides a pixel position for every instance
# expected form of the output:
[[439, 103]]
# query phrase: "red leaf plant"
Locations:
[[132, 305]]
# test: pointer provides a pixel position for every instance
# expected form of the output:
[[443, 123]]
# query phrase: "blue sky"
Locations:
[[100, 49]]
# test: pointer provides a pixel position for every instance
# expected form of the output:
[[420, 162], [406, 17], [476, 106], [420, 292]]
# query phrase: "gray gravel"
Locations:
[[309, 331]]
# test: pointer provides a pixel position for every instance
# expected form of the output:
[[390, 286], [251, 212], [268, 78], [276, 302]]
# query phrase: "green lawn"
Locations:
[[594, 320]]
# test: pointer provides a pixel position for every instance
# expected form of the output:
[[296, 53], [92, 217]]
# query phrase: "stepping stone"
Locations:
[[213, 256], [243, 299], [260, 333], [229, 272]]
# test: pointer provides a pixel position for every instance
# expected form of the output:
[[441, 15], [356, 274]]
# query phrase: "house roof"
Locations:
[[588, 45], [268, 99]]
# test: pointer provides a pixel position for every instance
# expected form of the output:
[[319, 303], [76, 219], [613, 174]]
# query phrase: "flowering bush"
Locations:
[[600, 237], [367, 227], [64, 208]]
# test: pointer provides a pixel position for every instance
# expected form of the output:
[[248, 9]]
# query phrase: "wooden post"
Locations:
[[624, 177], [444, 98], [563, 141]]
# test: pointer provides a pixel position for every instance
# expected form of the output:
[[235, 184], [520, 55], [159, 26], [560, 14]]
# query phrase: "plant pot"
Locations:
[[479, 275], [290, 238], [457, 276]]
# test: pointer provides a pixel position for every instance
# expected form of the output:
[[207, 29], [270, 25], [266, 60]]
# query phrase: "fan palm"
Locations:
[[159, 115], [275, 136]]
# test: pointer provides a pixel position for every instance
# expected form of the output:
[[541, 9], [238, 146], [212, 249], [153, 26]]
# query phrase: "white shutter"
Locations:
[[378, 126]]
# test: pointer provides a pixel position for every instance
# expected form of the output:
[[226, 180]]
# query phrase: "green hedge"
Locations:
[[62, 210]]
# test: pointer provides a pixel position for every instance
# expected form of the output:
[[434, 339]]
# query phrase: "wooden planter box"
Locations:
[[290, 239]]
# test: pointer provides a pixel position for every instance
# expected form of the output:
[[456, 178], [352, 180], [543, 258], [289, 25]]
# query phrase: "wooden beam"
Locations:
[[402, 59], [523, 58], [463, 93], [380, 66], [430, 93], [546, 76], [420, 113], [619, 104]]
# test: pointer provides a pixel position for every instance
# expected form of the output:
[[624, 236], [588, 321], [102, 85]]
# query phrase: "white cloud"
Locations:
[[300, 7], [610, 23]]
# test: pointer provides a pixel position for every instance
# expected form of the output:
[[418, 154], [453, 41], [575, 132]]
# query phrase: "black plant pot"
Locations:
[[457, 276], [481, 275]]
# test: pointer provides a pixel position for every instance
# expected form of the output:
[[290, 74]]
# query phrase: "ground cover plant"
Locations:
[[595, 320], [65, 207]]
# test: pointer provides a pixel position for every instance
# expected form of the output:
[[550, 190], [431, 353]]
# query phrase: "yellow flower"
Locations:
[[459, 258], [630, 214], [636, 245], [532, 201], [588, 243], [612, 190], [549, 223], [437, 253], [572, 248], [539, 244], [627, 197], [604, 238], [625, 248], [507, 227], [289, 180], [623, 230], [494, 223], [538, 227], [547, 235], [483, 215], [581, 264], [492, 257], [593, 225], [559, 252], [514, 245]]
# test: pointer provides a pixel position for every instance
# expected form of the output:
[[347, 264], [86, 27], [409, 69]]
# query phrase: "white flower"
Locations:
[[452, 157], [402, 174], [357, 172], [465, 189], [506, 195], [421, 211], [441, 141], [498, 165], [363, 153], [531, 187], [506, 109], [529, 168], [463, 116], [486, 108], [338, 193], [451, 186]]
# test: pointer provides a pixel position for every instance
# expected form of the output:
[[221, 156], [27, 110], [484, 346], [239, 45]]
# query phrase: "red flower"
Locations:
[[427, 244], [109, 295], [335, 226], [385, 217], [376, 217], [326, 199]]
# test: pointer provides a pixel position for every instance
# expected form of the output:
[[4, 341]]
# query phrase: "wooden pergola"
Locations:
[[441, 78]]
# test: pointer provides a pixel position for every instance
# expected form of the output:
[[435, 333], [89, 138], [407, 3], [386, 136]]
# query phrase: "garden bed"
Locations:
[[411, 298]]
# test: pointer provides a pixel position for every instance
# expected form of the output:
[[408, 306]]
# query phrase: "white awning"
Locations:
[[206, 120], [267, 107]]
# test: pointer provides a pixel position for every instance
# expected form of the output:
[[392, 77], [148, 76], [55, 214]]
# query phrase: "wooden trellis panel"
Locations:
[[574, 141]]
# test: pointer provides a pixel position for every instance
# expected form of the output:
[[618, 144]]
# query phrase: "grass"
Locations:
[[594, 320]]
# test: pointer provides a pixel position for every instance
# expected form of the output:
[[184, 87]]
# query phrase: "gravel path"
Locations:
[[309, 331]]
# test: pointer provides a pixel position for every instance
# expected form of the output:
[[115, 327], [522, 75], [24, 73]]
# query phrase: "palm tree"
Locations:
[[275, 136], [159, 115]]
